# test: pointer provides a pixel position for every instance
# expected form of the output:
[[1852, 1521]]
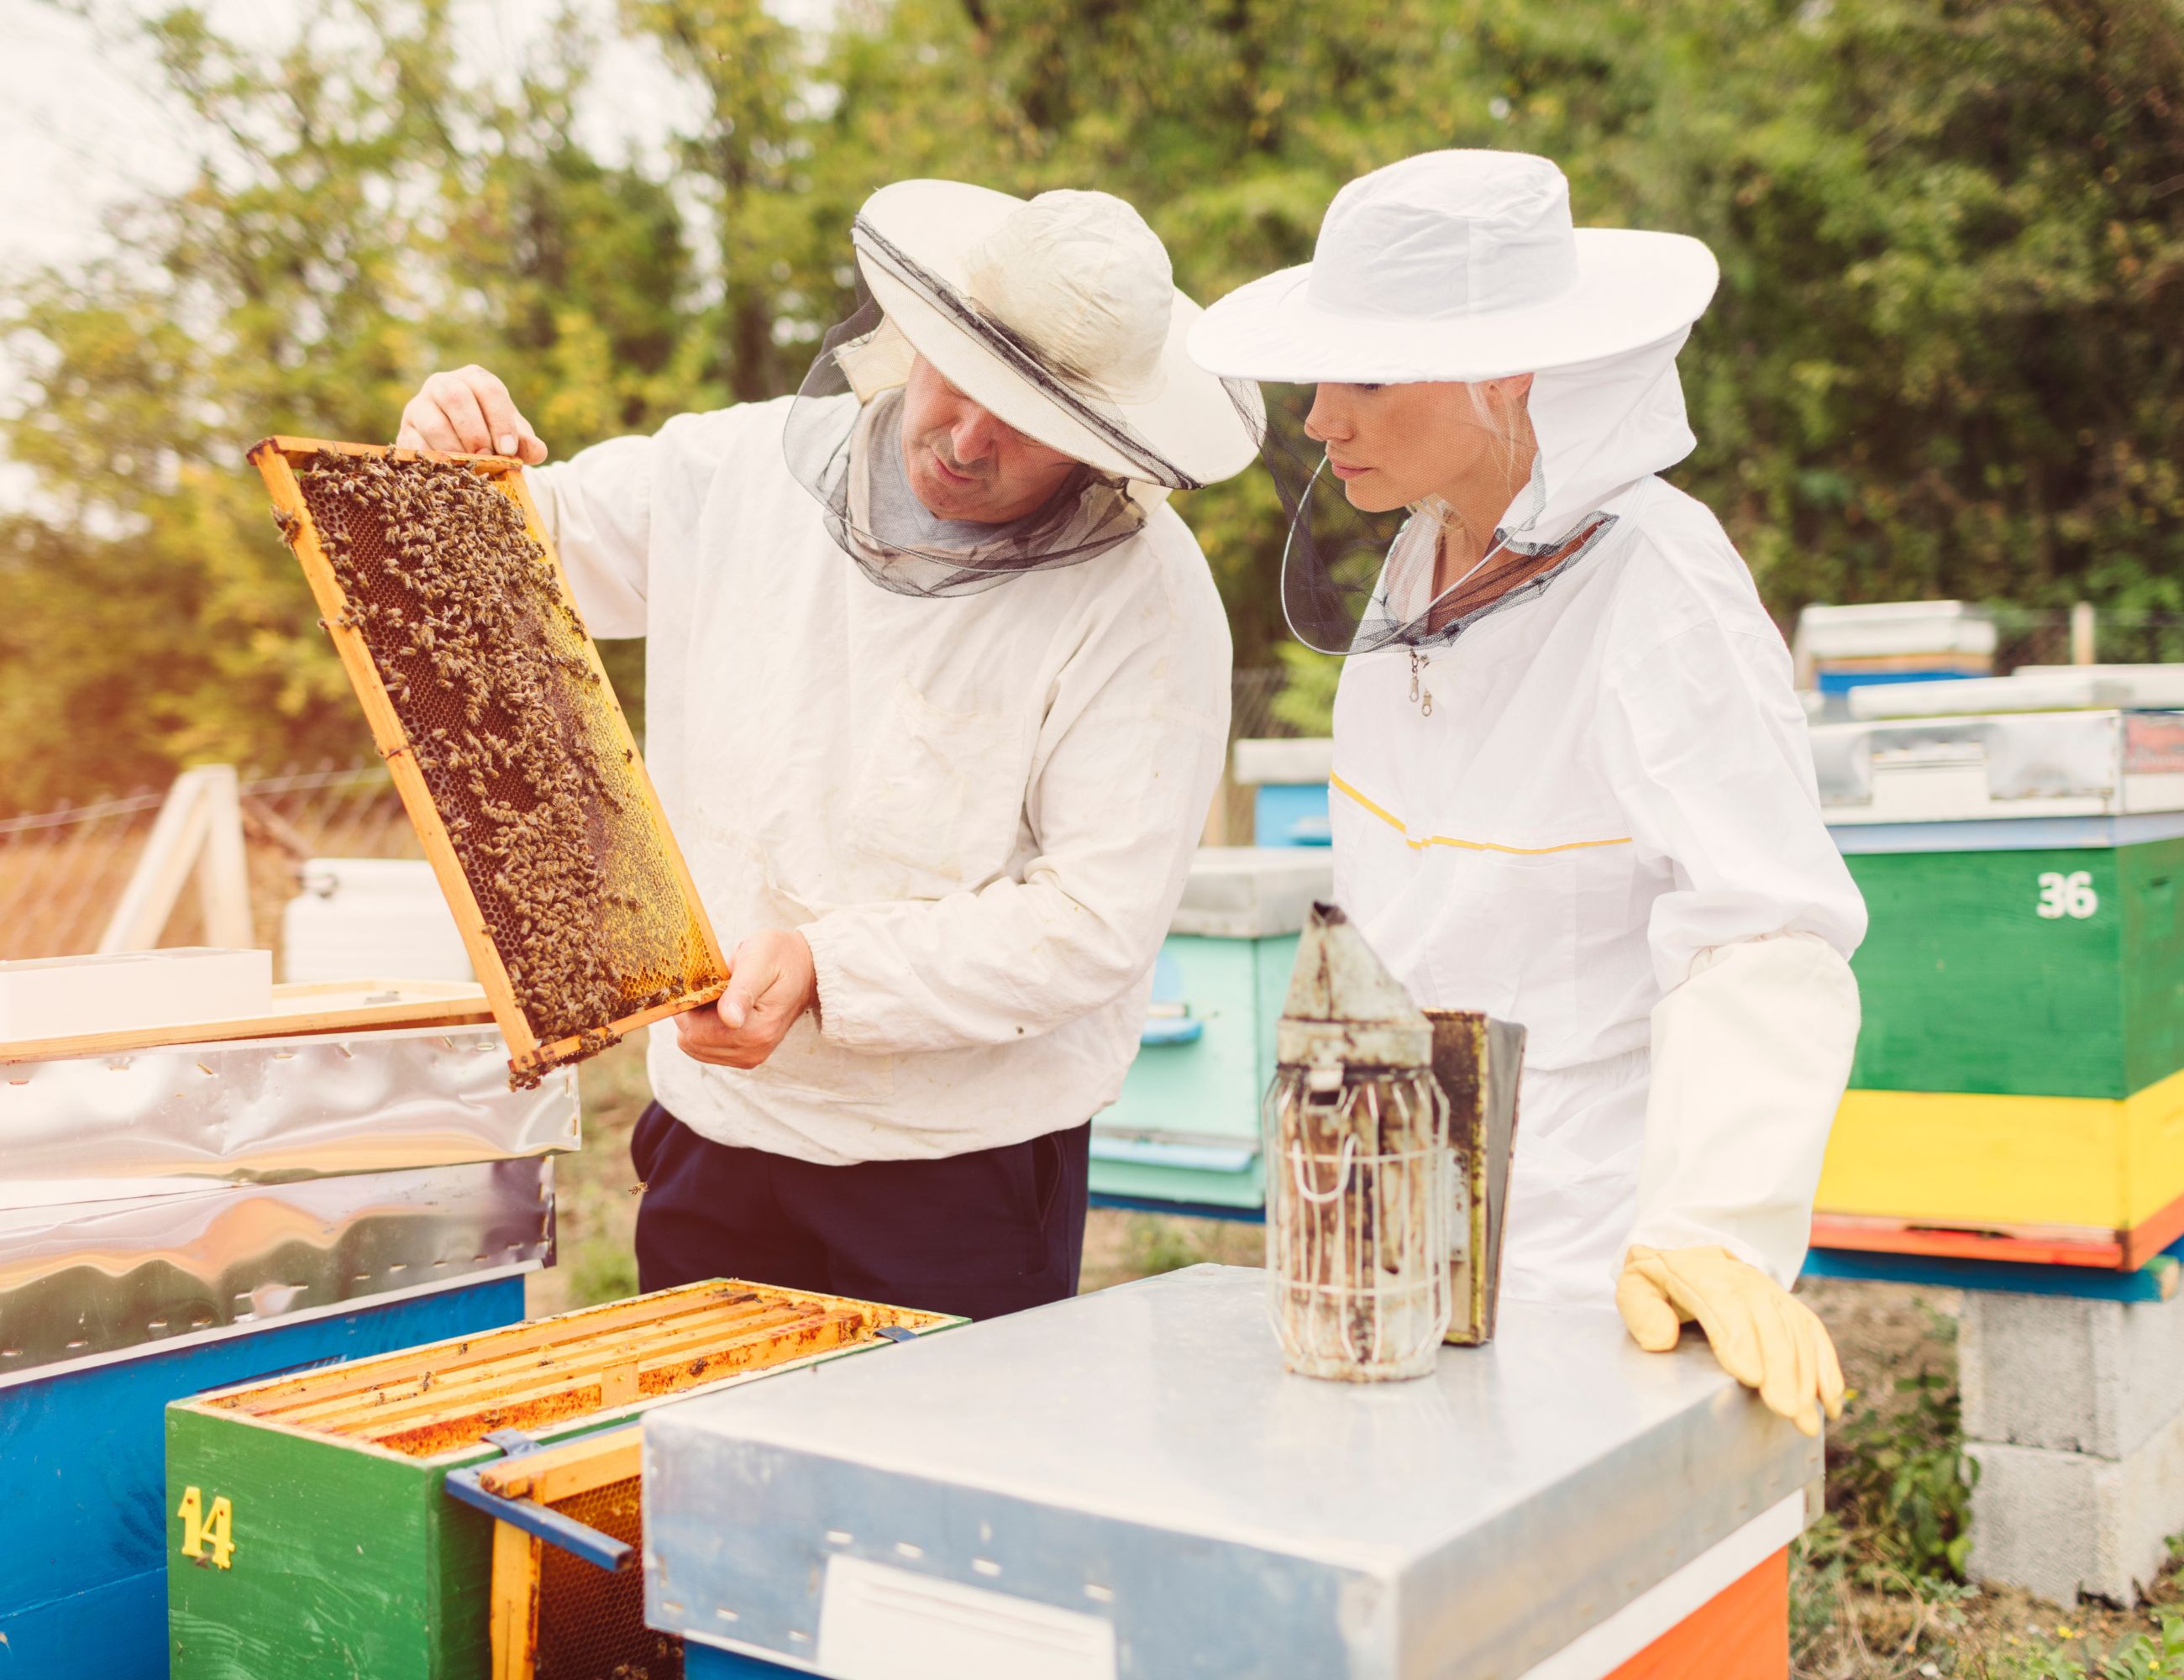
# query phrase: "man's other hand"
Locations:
[[770, 983], [468, 412]]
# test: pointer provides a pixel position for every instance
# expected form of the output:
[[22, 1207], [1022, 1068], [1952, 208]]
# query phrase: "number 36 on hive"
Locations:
[[204, 1526], [2070, 895]]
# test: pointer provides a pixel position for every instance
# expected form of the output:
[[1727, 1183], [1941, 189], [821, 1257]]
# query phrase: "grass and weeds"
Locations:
[[1898, 1483], [1877, 1587]]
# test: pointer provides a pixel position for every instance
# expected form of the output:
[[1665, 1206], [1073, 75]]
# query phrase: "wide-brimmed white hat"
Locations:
[[1089, 357], [1457, 266]]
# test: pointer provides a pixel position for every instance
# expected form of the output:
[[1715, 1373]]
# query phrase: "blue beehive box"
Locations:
[[1289, 782], [1884, 643], [186, 1216]]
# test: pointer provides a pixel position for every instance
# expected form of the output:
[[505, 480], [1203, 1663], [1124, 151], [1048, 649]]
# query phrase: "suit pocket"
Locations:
[[644, 1140], [1033, 1172]]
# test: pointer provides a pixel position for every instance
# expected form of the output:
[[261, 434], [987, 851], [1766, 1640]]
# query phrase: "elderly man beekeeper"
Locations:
[[1571, 784], [937, 698]]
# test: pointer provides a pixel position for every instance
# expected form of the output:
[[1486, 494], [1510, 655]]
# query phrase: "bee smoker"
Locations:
[[1360, 1182], [1476, 1062]]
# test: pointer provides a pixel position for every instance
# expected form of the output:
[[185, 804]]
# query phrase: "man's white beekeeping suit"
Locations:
[[975, 789]]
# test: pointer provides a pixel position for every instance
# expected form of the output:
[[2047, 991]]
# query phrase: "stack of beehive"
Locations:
[[2017, 1093]]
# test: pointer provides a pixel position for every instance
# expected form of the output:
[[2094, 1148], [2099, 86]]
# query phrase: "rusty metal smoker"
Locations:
[[1361, 1183]]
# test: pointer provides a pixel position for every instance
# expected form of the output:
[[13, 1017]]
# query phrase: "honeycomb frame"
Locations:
[[278, 460]]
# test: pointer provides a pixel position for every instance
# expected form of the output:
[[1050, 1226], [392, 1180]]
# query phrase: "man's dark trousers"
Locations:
[[981, 1234]]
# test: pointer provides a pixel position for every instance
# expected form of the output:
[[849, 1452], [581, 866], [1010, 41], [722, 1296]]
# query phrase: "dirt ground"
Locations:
[[1847, 1630]]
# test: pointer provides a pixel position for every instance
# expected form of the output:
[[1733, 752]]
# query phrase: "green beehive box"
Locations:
[[2017, 1080], [308, 1534], [2035, 973]]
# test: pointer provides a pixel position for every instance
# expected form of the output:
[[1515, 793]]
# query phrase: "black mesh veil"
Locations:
[[843, 443], [1355, 580]]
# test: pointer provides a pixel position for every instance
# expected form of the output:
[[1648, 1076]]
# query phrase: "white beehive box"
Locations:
[[1883, 630], [1256, 762], [2151, 686], [2062, 691], [371, 916], [128, 990]]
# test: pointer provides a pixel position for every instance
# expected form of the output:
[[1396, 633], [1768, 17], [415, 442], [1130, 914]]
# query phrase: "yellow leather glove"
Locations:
[[1763, 1336]]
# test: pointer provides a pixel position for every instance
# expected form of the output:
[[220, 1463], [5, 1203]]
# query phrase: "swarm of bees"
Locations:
[[461, 611]]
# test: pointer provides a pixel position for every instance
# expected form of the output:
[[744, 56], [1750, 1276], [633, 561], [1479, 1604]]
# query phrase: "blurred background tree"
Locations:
[[358, 214], [1945, 360]]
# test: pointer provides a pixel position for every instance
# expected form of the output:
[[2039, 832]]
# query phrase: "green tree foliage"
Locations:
[[1948, 359], [1944, 359], [358, 216]]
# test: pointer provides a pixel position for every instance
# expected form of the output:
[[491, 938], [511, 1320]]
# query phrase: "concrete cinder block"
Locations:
[[2069, 1376], [2061, 1523]]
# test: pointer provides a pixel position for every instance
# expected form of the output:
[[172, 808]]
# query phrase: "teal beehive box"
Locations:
[[1185, 1131]]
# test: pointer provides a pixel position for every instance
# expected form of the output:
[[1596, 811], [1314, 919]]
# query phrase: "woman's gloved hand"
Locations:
[[1764, 1338]]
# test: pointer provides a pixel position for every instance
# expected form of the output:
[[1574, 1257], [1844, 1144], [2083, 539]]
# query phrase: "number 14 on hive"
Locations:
[[203, 1528], [2070, 895]]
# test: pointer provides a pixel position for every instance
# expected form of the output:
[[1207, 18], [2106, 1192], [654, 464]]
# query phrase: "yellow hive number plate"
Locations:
[[203, 1527]]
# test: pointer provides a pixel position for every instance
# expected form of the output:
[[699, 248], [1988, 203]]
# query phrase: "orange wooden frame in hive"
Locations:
[[665, 947], [550, 1610], [600, 1361]]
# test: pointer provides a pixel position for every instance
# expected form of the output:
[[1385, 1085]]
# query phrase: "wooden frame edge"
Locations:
[[562, 1051], [271, 458], [357, 1374], [288, 444], [421, 1015], [517, 1563], [573, 1467]]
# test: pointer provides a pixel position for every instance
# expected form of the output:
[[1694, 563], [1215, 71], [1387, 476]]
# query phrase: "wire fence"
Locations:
[[63, 872], [2041, 637], [1251, 713], [1251, 716]]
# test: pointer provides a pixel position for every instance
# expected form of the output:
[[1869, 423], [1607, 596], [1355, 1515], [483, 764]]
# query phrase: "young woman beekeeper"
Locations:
[[1572, 782]]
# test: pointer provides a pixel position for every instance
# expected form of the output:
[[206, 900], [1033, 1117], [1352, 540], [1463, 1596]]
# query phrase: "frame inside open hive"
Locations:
[[565, 1612], [449, 1395], [485, 694]]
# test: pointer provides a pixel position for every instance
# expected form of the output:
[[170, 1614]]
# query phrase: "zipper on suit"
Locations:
[[1421, 696]]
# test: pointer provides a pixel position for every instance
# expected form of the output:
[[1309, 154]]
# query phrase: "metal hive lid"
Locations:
[[1145, 1441]]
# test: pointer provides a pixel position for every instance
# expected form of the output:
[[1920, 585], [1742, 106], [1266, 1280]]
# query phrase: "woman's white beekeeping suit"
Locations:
[[1586, 805]]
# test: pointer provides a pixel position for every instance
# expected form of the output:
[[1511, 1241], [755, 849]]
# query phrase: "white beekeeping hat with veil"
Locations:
[[1059, 316], [1461, 267]]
